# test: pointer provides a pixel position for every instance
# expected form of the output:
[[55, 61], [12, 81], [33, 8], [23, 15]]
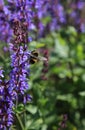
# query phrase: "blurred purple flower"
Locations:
[[5, 30]]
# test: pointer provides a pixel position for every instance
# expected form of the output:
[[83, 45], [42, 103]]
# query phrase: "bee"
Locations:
[[34, 57]]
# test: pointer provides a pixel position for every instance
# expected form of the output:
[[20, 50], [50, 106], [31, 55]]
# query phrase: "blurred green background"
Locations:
[[64, 90]]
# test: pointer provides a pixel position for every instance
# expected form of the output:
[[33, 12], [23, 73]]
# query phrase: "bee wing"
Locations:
[[42, 58]]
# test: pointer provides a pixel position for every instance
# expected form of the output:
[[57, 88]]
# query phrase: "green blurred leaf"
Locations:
[[32, 109]]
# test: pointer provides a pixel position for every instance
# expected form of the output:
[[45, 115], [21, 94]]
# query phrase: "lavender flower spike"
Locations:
[[19, 52], [6, 104]]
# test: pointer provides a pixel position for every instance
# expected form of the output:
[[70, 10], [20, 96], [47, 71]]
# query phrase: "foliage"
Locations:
[[63, 92]]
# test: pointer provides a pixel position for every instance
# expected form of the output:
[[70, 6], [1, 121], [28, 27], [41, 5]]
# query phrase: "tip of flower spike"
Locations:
[[1, 72], [13, 22]]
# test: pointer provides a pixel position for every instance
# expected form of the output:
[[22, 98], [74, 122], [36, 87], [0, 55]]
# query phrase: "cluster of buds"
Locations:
[[63, 122], [20, 31]]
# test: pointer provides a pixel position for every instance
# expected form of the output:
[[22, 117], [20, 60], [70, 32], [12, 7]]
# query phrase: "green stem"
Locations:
[[21, 124], [25, 118]]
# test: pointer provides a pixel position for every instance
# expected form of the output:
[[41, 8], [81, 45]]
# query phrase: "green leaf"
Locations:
[[31, 108], [20, 108]]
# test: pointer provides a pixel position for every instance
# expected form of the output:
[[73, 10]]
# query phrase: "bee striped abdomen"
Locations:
[[33, 57]]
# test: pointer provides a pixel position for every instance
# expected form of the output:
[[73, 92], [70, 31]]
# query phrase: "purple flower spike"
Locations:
[[6, 104], [19, 51]]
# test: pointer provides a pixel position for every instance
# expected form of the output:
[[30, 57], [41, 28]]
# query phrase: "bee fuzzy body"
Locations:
[[34, 57]]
